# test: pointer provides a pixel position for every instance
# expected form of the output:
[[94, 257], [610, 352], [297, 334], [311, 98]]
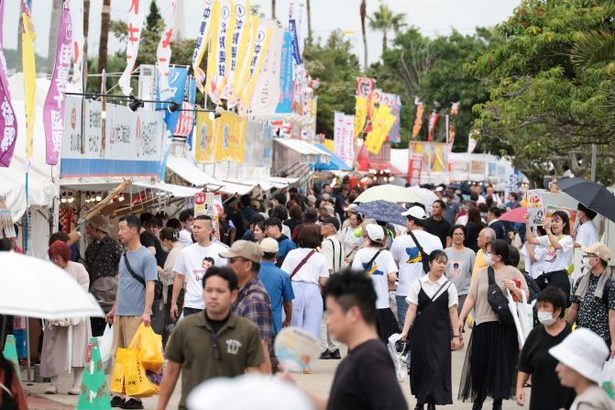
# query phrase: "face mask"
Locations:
[[546, 318], [489, 259]]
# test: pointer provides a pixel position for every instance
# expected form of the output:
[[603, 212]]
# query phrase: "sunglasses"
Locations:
[[215, 348]]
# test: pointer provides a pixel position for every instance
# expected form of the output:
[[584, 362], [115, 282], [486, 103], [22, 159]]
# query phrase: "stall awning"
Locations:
[[234, 188], [177, 191], [190, 172], [335, 163], [302, 147], [385, 165]]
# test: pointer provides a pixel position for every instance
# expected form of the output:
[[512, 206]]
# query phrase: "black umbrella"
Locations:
[[591, 194], [384, 211]]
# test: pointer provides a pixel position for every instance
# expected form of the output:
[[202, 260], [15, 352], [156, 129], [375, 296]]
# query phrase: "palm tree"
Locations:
[[363, 13], [308, 5], [56, 11], [385, 20], [105, 19], [273, 9]]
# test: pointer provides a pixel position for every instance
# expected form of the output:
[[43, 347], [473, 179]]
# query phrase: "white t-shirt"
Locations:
[[430, 288], [350, 240], [331, 249], [587, 234], [379, 271], [192, 265], [535, 269], [409, 259], [315, 267], [557, 259], [185, 237]]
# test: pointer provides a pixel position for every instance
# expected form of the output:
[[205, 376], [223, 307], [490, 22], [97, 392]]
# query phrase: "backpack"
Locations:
[[104, 290], [497, 300], [8, 397]]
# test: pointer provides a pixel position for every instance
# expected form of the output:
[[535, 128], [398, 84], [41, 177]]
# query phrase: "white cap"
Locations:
[[269, 245], [374, 232], [415, 212], [583, 351], [253, 391]]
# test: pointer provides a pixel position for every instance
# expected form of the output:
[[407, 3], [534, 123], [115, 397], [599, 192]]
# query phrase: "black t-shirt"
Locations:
[[547, 392], [216, 325], [149, 239], [366, 379], [441, 229]]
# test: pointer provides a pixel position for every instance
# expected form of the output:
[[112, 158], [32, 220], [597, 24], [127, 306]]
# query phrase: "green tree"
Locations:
[[385, 20], [543, 110], [337, 68]]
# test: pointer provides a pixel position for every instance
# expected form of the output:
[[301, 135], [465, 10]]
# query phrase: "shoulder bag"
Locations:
[[497, 300]]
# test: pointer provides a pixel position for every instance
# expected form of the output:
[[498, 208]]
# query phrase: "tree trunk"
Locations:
[[309, 20], [363, 13], [56, 11], [384, 43], [273, 9], [104, 35]]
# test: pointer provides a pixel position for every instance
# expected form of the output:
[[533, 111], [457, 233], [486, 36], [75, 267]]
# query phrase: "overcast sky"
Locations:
[[432, 17]]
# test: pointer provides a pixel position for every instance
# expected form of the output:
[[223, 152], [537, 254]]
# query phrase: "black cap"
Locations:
[[332, 221]]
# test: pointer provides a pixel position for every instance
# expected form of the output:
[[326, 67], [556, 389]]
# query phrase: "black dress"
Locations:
[[430, 350]]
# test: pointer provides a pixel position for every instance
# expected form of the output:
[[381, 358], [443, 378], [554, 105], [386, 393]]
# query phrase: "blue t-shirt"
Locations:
[[130, 292], [277, 283]]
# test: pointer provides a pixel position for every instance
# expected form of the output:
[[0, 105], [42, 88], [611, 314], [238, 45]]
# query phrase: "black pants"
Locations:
[[191, 311]]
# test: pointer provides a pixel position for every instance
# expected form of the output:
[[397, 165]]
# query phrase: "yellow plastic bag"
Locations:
[[119, 369], [149, 345], [135, 379]]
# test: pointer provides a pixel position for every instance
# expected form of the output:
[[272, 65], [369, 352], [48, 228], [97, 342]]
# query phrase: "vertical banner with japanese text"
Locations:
[[163, 52], [76, 16], [53, 110], [136, 15], [29, 73], [8, 121], [238, 47], [365, 89], [204, 144], [202, 41], [343, 129], [178, 76], [292, 27], [382, 121], [285, 104]]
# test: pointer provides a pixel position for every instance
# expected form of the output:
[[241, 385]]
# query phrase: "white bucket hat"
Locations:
[[583, 351]]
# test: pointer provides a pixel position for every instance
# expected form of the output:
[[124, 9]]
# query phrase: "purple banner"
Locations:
[[53, 110], [8, 122]]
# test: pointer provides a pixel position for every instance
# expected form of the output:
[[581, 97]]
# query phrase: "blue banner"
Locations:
[[191, 100], [177, 81], [285, 105], [292, 25]]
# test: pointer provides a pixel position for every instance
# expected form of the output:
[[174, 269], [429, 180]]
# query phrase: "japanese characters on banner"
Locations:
[[132, 144], [208, 19], [218, 60], [238, 48], [433, 122], [365, 88], [292, 27], [210, 204], [535, 207], [53, 110], [261, 50], [382, 121], [177, 84], [29, 73], [76, 17], [136, 15], [266, 93], [8, 122], [394, 103], [285, 103], [230, 137], [163, 52], [343, 136], [418, 120], [415, 167], [204, 144]]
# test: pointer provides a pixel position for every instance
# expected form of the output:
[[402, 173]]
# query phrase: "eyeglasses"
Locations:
[[215, 348]]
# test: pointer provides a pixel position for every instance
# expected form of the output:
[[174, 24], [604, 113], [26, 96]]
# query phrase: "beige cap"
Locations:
[[244, 249], [269, 245], [599, 249], [101, 223]]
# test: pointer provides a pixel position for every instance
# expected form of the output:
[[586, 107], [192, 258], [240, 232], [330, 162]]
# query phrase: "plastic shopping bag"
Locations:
[[608, 378], [105, 344], [396, 349], [135, 378], [149, 346], [526, 315], [119, 369]]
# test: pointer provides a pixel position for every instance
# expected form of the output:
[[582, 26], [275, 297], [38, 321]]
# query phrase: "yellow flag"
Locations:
[[204, 147], [261, 49], [238, 138], [360, 115], [224, 129], [382, 121], [29, 76], [241, 48], [242, 74], [329, 144], [437, 164], [212, 52]]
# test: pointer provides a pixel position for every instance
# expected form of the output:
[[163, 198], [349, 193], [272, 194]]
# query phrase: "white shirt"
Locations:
[[430, 288], [557, 259], [315, 267], [350, 240], [409, 259], [379, 271], [185, 237], [535, 269], [587, 234], [191, 264], [331, 249]]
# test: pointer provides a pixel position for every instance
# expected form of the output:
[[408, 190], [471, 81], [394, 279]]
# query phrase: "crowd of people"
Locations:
[[219, 291]]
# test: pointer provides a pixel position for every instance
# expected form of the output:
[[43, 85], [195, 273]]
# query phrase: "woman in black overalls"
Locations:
[[432, 324]]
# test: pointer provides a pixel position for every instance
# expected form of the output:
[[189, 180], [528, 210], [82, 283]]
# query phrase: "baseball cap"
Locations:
[[269, 245], [330, 220], [100, 222], [415, 212], [599, 249], [583, 351], [244, 249], [374, 232]]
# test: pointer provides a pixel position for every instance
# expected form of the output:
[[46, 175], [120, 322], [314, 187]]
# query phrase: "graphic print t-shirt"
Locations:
[[378, 270], [192, 262], [409, 258]]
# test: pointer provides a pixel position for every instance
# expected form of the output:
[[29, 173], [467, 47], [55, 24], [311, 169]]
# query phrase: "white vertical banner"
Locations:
[[136, 16], [202, 41], [239, 39], [163, 52], [267, 90], [344, 137], [76, 16]]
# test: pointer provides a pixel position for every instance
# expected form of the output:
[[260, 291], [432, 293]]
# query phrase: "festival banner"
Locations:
[[418, 119], [208, 20], [8, 122], [204, 145], [266, 93], [53, 110], [136, 15], [452, 123], [285, 104], [382, 121], [76, 17], [131, 146], [394, 103], [230, 136], [473, 140], [192, 100], [218, 59], [166, 10], [343, 136], [292, 27], [238, 47], [255, 144], [435, 155], [360, 115], [433, 122], [365, 89], [415, 166], [29, 73], [177, 83], [261, 50]]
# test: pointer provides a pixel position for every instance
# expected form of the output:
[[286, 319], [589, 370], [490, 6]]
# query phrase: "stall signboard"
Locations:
[[131, 145]]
